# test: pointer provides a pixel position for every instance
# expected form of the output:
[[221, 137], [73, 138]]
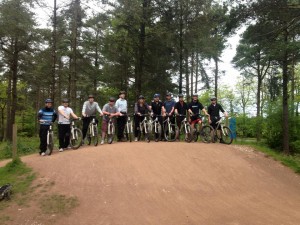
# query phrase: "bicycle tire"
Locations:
[[75, 142], [158, 133], [188, 134], [147, 133], [50, 145], [206, 134], [195, 133], [94, 139], [110, 136], [227, 135], [170, 132]]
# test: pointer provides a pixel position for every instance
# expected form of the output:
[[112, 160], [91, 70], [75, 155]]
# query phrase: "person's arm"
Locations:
[[99, 110], [54, 117], [74, 115], [61, 112], [136, 108], [104, 110], [40, 114], [205, 112], [223, 111], [83, 109]]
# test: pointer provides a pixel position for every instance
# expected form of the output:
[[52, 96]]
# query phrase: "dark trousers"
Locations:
[[121, 122], [64, 135], [137, 120], [43, 137], [85, 124]]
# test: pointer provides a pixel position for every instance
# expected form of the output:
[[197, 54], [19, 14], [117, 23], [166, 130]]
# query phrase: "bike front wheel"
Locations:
[[188, 137], [50, 144], [206, 134], [76, 138], [226, 136], [110, 134], [170, 132]]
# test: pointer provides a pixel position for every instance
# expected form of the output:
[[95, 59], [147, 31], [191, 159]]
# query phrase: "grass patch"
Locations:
[[291, 161], [58, 204], [20, 176]]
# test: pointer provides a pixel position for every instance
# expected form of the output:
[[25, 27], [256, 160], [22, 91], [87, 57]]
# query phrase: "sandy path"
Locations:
[[172, 184]]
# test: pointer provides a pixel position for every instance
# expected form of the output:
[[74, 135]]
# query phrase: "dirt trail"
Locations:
[[171, 184]]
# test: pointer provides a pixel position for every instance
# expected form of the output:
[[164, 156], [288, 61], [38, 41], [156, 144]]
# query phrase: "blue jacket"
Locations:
[[48, 115]]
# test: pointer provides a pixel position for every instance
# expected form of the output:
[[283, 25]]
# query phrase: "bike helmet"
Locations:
[[48, 100], [141, 97], [65, 100], [156, 96], [195, 95], [91, 96], [180, 96], [213, 98], [112, 99], [168, 94]]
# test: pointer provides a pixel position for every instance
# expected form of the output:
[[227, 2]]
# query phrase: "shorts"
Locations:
[[196, 121], [104, 126]]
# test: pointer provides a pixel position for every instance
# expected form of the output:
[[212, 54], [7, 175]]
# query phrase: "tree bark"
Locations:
[[54, 52], [216, 75]]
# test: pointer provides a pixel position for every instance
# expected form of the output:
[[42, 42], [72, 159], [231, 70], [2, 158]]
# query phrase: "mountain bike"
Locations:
[[128, 129], [145, 128], [169, 129], [222, 132], [155, 127], [204, 131], [50, 138], [75, 135], [92, 132], [185, 128], [110, 131]]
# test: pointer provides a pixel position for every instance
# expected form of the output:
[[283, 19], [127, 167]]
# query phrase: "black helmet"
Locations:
[[195, 95], [91, 96], [180, 96], [112, 99], [156, 96], [213, 98], [48, 100], [65, 100], [141, 97]]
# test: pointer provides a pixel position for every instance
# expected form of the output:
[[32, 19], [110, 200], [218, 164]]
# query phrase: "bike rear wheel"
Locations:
[[207, 134], [195, 133], [188, 134], [76, 138], [95, 136], [226, 136], [50, 144], [170, 132]]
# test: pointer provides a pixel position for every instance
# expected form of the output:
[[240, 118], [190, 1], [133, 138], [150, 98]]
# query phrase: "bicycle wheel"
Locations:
[[206, 134], [88, 135], [110, 134], [147, 133], [226, 136], [158, 132], [128, 134], [76, 138], [188, 134], [50, 144], [170, 132], [94, 138], [195, 133]]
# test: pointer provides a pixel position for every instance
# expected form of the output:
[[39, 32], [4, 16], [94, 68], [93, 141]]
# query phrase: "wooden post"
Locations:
[[14, 146]]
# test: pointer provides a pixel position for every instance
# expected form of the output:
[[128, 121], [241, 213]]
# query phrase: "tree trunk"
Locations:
[[197, 73], [54, 52], [180, 47], [216, 75], [8, 132], [187, 80], [192, 74]]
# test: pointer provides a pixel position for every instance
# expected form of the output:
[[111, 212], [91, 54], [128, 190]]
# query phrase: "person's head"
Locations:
[[195, 97], [48, 102], [180, 96], [65, 102], [213, 100], [112, 101], [141, 99], [156, 97], [168, 96], [91, 98], [122, 94]]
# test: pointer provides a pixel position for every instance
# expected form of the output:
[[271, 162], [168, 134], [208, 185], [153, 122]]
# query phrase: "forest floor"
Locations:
[[158, 184]]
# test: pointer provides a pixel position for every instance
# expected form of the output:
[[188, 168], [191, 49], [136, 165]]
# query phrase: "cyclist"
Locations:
[[64, 115], [121, 105], [157, 109], [89, 110], [214, 111], [180, 109], [194, 109], [109, 110], [46, 115], [140, 108]]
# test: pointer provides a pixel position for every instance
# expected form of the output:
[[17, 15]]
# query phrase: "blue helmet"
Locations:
[[156, 96], [48, 100]]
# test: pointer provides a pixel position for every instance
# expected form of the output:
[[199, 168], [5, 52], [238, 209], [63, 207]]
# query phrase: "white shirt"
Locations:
[[121, 105], [67, 111]]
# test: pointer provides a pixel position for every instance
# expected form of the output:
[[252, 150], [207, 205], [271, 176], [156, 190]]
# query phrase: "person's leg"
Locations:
[[67, 131], [61, 136], [120, 127], [136, 126], [103, 130], [43, 138], [85, 125]]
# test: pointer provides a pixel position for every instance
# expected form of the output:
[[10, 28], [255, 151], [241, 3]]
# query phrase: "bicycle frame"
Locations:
[[91, 127], [220, 124], [129, 126], [50, 132], [110, 124]]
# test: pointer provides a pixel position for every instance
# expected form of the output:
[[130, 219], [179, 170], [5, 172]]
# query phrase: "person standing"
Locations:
[[180, 111], [158, 110], [140, 109], [89, 111], [109, 111], [46, 116], [64, 129], [121, 105]]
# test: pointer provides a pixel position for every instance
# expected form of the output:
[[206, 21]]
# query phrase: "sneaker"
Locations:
[[61, 150], [135, 139], [43, 154], [102, 142], [69, 147]]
